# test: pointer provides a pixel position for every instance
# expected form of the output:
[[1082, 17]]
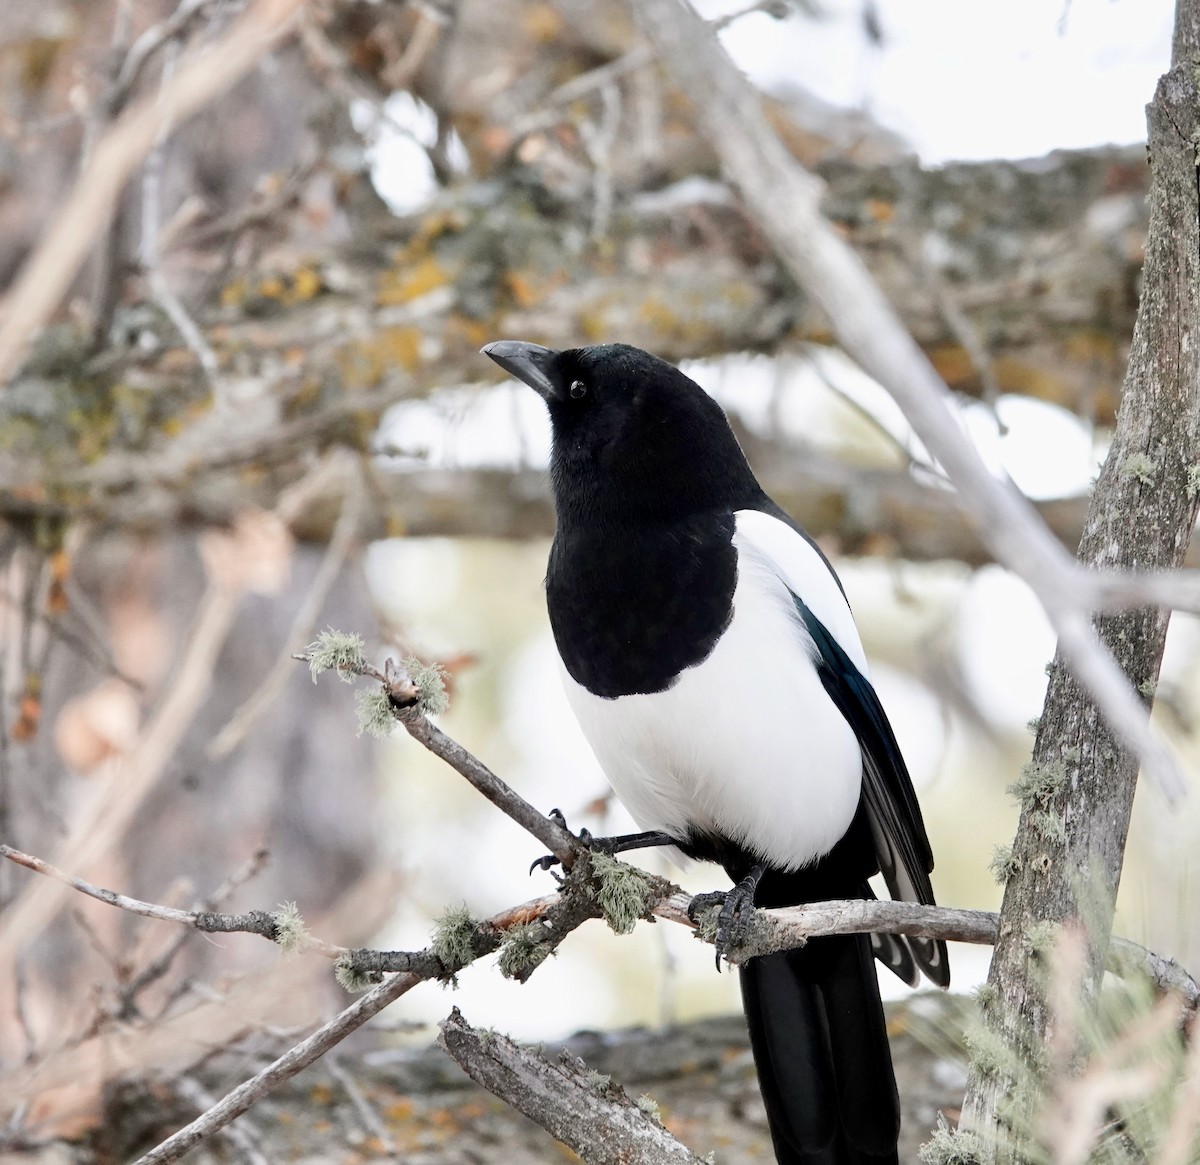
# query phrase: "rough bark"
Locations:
[[1078, 792]]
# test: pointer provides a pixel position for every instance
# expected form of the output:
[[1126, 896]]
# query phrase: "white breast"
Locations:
[[745, 744]]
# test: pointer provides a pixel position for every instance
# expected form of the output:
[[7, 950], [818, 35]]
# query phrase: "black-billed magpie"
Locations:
[[711, 658]]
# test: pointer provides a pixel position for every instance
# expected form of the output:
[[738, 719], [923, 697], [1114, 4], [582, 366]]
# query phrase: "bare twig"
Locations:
[[590, 1115], [260, 922], [161, 963], [371, 1120], [268, 690], [404, 699], [556, 839], [238, 1135], [202, 77]]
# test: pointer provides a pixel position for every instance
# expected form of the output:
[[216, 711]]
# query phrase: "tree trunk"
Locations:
[[1077, 793]]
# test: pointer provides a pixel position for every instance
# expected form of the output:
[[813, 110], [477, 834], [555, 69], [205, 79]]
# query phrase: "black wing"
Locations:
[[905, 857]]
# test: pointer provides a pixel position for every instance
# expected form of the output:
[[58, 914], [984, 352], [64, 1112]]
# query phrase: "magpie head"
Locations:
[[629, 429]]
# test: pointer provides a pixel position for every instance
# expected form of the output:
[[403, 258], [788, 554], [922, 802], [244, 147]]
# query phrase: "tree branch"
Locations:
[[587, 1112]]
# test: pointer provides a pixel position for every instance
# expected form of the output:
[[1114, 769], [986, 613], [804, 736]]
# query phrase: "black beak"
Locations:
[[535, 365]]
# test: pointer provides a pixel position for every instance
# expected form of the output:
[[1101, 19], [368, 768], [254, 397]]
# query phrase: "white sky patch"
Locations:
[[504, 427], [1004, 644], [397, 138], [1046, 450], [973, 79]]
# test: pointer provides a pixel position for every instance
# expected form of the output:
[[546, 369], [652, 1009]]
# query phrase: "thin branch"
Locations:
[[161, 963], [261, 922], [268, 690], [371, 1120], [202, 77], [556, 839], [237, 1135], [405, 702]]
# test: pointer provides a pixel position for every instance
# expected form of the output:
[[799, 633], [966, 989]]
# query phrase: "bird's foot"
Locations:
[[737, 908], [549, 861]]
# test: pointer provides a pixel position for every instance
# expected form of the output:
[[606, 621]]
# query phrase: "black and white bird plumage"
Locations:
[[712, 660]]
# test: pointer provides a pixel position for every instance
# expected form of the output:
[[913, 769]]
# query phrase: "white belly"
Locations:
[[746, 744]]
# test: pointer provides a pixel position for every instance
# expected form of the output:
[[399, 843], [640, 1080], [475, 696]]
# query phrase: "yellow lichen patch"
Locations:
[[234, 294], [305, 285], [952, 362], [1088, 346], [286, 288], [1015, 375], [593, 322], [363, 363], [666, 321], [466, 332], [878, 210], [405, 284], [542, 22], [272, 287], [523, 287]]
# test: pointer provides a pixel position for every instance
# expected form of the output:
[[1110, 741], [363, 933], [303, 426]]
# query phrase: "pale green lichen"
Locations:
[[1038, 783], [649, 1106], [623, 892], [1138, 465], [340, 651], [291, 934], [1148, 687], [990, 1055], [1004, 864], [1193, 482], [947, 1146], [430, 681], [452, 937], [350, 977], [987, 996], [597, 1081], [376, 716], [1042, 934], [1049, 826], [524, 949]]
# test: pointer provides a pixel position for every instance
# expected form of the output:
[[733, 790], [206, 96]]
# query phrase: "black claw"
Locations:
[[737, 906], [702, 902], [545, 862]]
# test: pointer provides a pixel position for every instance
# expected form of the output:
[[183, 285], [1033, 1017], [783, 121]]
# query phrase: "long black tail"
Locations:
[[820, 1045]]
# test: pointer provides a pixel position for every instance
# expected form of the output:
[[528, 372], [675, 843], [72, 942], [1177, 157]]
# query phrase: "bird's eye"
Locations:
[[578, 389]]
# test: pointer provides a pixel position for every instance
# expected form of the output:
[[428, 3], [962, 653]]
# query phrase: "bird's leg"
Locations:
[[737, 905], [605, 845]]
